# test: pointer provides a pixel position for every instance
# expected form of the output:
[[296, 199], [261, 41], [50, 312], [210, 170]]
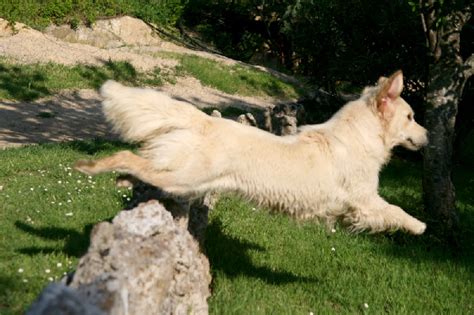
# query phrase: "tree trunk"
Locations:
[[441, 101], [447, 76]]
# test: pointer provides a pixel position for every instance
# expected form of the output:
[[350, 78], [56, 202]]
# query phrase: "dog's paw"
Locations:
[[84, 166], [418, 228]]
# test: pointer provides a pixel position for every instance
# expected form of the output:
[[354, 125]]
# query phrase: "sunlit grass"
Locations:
[[237, 79]]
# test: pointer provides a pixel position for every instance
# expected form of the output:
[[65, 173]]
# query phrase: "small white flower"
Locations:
[[69, 174], [366, 305], [64, 273], [50, 279], [32, 189], [59, 265], [311, 313], [47, 270], [124, 196], [89, 177], [68, 214], [20, 270], [69, 200], [254, 209], [69, 193], [60, 203], [128, 199], [333, 249], [333, 230], [60, 182], [1, 187], [25, 280], [78, 181], [46, 189]]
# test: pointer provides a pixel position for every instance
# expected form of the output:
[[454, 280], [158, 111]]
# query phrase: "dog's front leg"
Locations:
[[378, 215]]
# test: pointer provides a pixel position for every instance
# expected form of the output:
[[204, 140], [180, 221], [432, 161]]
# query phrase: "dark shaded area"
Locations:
[[8, 284], [429, 246], [23, 83], [76, 116], [95, 146], [231, 256], [118, 70], [76, 243]]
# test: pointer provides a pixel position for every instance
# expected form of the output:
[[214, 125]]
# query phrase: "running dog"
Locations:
[[328, 171]]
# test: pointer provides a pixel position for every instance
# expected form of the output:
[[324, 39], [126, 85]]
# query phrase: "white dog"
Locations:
[[328, 171]]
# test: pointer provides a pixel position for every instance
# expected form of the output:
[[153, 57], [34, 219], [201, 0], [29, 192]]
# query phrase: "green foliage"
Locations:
[[330, 41], [29, 82], [39, 14]]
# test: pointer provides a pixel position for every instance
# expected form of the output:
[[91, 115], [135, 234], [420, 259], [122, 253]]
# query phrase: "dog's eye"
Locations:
[[410, 116]]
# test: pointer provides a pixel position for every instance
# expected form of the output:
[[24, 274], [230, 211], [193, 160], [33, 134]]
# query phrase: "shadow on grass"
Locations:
[[8, 285], [231, 256], [428, 246], [76, 243], [23, 83], [30, 82], [118, 70], [92, 147]]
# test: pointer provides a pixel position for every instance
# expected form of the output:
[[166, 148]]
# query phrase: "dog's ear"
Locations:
[[396, 85], [390, 90]]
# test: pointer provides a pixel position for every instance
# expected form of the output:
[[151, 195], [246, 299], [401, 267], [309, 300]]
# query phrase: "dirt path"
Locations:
[[76, 114]]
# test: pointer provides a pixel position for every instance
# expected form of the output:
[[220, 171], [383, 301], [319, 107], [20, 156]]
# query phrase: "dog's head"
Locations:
[[397, 116]]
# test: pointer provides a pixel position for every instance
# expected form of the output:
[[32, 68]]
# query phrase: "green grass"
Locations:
[[261, 263], [265, 264], [233, 79], [32, 81], [47, 212], [29, 82]]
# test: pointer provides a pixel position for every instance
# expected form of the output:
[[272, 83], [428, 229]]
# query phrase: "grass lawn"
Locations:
[[237, 79], [33, 81], [261, 263], [29, 82]]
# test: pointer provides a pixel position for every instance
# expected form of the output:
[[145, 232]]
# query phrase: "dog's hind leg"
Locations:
[[130, 163], [379, 216]]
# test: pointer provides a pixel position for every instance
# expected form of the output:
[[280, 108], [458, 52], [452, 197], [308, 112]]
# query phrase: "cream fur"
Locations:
[[328, 171]]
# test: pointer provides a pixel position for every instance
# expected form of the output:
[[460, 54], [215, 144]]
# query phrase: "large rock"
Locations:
[[108, 33], [143, 262]]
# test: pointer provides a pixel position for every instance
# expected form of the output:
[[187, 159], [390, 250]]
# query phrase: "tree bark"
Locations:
[[447, 77]]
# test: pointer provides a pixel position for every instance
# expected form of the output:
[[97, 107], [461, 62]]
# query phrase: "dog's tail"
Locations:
[[139, 114]]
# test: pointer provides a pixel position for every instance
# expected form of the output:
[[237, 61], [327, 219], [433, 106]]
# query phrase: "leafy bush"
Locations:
[[39, 14]]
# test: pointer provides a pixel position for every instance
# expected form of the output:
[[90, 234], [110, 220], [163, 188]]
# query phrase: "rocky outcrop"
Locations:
[[141, 263], [108, 33]]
